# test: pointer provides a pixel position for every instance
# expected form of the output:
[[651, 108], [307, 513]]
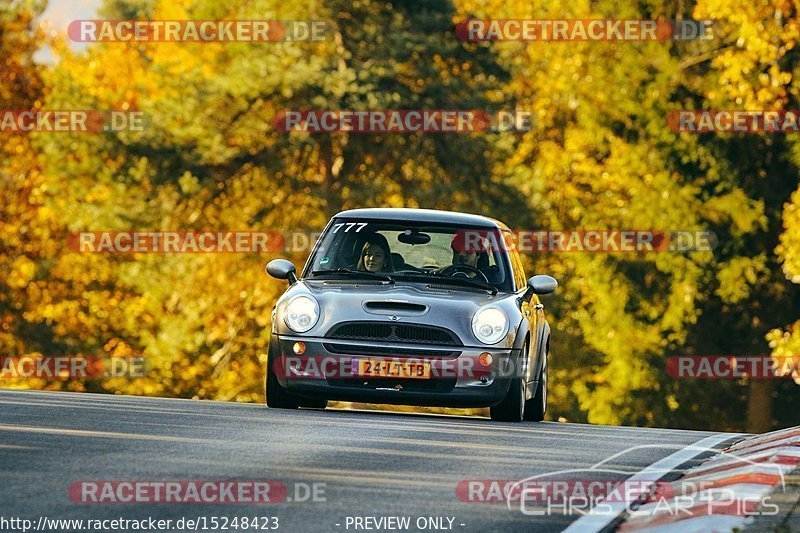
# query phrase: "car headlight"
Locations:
[[490, 325], [301, 313]]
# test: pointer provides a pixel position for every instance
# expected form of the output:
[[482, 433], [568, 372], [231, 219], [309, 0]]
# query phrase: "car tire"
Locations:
[[536, 406], [511, 409], [276, 396]]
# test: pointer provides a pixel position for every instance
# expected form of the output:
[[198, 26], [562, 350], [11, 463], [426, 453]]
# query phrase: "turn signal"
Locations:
[[485, 359], [299, 348]]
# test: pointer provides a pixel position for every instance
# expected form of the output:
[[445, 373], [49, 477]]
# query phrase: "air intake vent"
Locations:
[[396, 307], [381, 331]]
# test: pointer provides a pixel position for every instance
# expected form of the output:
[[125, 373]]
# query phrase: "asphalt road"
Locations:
[[374, 464]]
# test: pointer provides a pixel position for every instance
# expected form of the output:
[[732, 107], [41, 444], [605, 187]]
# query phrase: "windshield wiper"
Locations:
[[365, 273], [464, 282]]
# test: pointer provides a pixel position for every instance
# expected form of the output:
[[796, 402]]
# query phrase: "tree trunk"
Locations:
[[759, 406]]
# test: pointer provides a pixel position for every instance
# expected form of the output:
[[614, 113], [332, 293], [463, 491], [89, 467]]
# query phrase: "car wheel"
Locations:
[[536, 406], [277, 397], [511, 409]]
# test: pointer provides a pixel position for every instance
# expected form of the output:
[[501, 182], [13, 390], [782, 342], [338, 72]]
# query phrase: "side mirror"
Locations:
[[282, 269], [542, 284]]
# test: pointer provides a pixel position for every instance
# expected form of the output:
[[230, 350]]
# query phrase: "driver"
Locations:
[[469, 249]]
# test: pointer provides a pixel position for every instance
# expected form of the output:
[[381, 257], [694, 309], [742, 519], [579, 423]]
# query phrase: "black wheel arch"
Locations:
[[543, 345]]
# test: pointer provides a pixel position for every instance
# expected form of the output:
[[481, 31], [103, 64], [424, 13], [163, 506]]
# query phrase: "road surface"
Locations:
[[363, 464]]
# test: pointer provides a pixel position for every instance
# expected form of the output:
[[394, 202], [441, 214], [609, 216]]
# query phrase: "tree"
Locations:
[[600, 155], [211, 159]]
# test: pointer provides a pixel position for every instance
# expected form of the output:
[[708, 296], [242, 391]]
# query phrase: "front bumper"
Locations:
[[326, 371]]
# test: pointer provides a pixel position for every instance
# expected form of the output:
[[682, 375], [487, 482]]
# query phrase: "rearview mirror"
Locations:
[[542, 284], [414, 237], [282, 269]]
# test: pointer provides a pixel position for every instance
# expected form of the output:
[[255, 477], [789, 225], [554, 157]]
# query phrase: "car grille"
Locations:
[[381, 331], [357, 349]]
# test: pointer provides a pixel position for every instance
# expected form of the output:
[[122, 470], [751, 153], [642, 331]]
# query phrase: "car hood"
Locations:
[[401, 303]]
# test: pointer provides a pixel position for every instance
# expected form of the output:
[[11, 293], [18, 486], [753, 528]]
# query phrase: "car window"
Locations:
[[342, 246], [436, 253]]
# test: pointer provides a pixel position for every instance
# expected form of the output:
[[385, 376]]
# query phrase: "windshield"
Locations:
[[409, 250]]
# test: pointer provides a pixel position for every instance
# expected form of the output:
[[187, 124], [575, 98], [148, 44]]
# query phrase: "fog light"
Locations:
[[485, 359], [299, 348]]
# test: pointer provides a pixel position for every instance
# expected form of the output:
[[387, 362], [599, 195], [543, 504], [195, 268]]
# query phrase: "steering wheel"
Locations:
[[452, 270]]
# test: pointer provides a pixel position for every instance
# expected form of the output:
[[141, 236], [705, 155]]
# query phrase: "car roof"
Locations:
[[422, 215]]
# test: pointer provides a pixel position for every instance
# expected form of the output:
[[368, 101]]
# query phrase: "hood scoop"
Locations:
[[395, 307]]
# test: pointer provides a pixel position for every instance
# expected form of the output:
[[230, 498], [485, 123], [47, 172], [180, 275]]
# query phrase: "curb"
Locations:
[[787, 519], [730, 490]]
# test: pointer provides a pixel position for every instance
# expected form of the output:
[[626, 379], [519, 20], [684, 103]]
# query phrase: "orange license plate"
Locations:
[[394, 369]]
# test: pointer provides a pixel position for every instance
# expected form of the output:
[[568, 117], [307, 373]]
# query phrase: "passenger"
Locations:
[[375, 255]]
